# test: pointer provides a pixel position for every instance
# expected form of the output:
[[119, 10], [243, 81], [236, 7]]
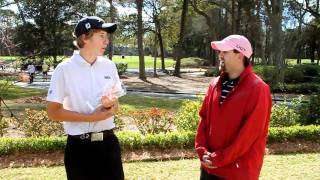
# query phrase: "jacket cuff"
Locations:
[[201, 151], [215, 158]]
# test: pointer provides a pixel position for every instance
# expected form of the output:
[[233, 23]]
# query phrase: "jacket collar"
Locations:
[[245, 72]]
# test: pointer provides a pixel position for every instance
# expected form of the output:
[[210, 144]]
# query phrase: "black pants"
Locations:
[[31, 77], [206, 176], [86, 160]]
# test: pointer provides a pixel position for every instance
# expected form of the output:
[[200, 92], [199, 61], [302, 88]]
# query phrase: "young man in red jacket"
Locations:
[[234, 117]]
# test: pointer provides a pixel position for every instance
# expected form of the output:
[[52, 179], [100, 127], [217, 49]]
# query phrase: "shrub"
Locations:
[[122, 67], [311, 111], [283, 116], [303, 88], [265, 72], [293, 75], [188, 115], [310, 69], [4, 123], [153, 121], [293, 133], [212, 72], [135, 140], [38, 124]]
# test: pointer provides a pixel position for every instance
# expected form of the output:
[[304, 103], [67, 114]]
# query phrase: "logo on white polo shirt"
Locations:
[[107, 77]]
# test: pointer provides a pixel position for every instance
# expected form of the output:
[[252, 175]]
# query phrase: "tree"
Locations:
[[49, 30], [210, 21], [274, 10], [8, 19], [156, 7], [181, 38], [112, 15], [142, 73]]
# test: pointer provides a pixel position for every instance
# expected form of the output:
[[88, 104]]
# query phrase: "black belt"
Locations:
[[93, 136]]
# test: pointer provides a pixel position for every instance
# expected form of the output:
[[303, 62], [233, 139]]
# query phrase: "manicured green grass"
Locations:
[[8, 58], [141, 102], [299, 166], [303, 61], [133, 61], [127, 103], [15, 92]]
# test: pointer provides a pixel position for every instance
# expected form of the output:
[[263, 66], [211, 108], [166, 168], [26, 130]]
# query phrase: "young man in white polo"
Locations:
[[80, 95]]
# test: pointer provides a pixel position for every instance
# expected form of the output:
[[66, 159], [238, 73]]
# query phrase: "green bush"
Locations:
[[265, 72], [4, 123], [187, 117], [309, 69], [303, 88], [153, 121], [283, 116], [121, 67], [38, 144], [194, 62], [212, 72], [134, 140], [311, 111], [37, 123], [293, 75], [292, 133]]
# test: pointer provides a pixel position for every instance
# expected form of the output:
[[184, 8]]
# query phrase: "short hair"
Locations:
[[246, 61], [79, 41]]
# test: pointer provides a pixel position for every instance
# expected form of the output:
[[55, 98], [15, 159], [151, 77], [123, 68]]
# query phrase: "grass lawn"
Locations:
[[299, 166], [141, 102], [133, 61], [15, 92]]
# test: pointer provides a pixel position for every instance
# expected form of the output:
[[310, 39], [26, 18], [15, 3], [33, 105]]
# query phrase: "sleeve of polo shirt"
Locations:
[[118, 84], [56, 92], [255, 126]]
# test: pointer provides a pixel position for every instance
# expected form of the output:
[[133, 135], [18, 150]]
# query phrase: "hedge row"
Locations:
[[132, 140]]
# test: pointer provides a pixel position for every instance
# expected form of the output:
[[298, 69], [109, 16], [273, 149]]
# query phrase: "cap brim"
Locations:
[[221, 46], [109, 27]]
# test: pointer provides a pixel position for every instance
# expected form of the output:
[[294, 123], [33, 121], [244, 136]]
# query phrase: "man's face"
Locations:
[[98, 42], [229, 61]]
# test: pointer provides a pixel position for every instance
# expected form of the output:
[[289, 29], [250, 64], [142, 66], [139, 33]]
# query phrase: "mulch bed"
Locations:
[[56, 158]]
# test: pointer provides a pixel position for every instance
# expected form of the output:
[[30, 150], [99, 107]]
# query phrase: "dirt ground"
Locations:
[[189, 83]]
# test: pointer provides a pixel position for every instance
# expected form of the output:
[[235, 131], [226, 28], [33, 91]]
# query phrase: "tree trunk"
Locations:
[[112, 15], [181, 37], [155, 56], [276, 50], [233, 17], [159, 35], [142, 73], [237, 30]]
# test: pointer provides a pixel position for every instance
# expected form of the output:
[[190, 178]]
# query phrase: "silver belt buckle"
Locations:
[[84, 136], [97, 136]]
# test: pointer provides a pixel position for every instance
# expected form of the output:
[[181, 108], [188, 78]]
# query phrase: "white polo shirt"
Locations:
[[78, 85]]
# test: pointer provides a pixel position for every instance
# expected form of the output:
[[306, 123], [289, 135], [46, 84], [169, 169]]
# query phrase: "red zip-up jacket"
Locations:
[[235, 132]]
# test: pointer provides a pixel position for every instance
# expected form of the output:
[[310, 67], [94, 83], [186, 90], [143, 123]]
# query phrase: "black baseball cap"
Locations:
[[93, 22]]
